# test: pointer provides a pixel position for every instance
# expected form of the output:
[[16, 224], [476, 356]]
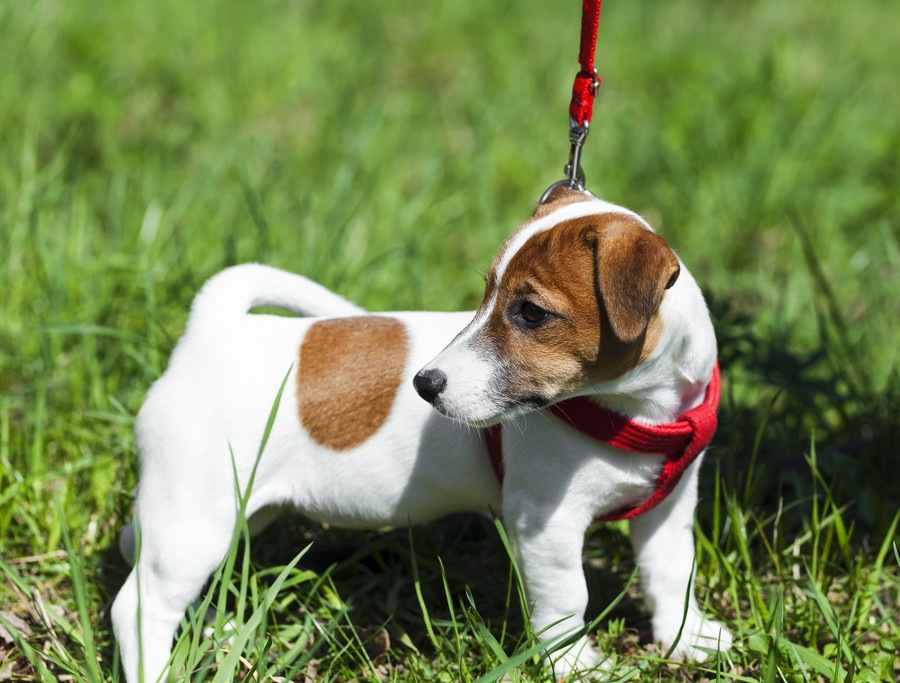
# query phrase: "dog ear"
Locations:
[[634, 268]]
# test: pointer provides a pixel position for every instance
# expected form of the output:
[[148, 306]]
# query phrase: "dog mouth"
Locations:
[[505, 409]]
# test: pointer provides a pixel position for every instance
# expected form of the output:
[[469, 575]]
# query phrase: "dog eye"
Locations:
[[532, 313]]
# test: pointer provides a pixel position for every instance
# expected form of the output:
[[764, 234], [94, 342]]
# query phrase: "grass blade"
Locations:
[[225, 673]]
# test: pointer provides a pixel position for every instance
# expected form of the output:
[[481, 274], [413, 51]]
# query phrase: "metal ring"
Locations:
[[565, 182]]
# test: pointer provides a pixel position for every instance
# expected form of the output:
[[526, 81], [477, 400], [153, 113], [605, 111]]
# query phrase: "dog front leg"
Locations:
[[663, 540], [547, 547]]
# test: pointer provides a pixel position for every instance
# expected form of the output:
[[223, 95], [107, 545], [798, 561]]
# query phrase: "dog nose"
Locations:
[[430, 383]]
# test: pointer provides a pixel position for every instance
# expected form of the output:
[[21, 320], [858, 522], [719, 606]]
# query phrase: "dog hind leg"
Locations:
[[179, 550]]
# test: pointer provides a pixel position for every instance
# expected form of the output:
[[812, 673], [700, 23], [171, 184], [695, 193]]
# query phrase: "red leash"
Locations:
[[680, 441], [584, 90]]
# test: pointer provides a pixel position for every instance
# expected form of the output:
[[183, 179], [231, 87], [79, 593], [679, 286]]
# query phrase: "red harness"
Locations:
[[680, 441]]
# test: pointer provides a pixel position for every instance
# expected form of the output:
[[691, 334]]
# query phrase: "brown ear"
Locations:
[[634, 266]]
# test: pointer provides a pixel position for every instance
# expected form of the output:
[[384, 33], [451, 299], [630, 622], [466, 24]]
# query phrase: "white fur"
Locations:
[[215, 397]]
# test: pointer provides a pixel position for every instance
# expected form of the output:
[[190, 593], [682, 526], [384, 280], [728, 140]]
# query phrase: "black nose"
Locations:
[[430, 383]]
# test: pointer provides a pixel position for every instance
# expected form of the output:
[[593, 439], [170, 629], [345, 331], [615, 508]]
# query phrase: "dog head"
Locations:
[[570, 301]]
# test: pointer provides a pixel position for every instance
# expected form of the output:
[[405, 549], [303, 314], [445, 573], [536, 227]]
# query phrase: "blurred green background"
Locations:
[[386, 149]]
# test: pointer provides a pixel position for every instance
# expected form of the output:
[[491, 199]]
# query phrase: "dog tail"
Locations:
[[236, 290]]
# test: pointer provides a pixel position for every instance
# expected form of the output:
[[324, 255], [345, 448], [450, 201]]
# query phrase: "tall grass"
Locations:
[[386, 149]]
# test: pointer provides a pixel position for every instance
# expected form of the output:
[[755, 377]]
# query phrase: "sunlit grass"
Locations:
[[387, 149]]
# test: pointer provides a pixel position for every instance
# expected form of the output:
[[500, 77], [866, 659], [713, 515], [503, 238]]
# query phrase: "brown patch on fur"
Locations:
[[350, 370], [559, 197], [603, 278]]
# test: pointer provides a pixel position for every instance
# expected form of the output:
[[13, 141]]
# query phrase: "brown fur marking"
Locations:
[[349, 373], [598, 275], [559, 197]]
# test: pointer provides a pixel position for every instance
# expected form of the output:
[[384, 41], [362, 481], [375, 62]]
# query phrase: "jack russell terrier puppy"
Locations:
[[584, 300]]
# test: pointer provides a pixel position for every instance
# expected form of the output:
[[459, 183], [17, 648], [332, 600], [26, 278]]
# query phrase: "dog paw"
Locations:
[[700, 636]]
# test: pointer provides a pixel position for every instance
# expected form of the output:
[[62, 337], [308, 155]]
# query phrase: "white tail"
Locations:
[[234, 291]]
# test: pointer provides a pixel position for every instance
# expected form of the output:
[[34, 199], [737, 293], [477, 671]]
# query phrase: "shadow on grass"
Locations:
[[781, 405], [372, 574]]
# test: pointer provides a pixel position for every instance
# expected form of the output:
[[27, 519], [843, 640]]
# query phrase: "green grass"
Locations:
[[386, 149]]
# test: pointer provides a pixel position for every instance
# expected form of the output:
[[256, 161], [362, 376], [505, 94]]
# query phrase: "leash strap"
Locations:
[[584, 89], [680, 441]]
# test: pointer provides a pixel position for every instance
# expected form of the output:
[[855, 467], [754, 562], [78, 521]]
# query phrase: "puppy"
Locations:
[[583, 300]]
